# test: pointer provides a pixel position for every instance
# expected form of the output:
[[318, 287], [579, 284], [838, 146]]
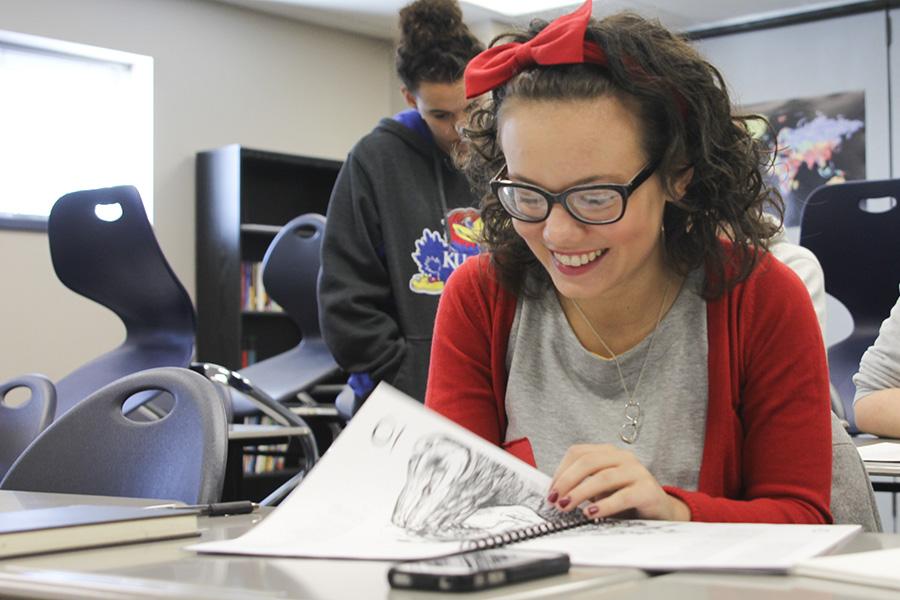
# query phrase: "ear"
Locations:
[[409, 97], [682, 181]]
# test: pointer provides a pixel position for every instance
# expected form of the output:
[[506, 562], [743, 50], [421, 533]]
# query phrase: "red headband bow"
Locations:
[[560, 43]]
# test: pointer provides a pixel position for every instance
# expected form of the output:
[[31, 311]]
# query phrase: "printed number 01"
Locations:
[[386, 433]]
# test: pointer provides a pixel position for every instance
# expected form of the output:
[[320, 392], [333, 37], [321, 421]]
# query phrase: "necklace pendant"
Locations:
[[628, 433]]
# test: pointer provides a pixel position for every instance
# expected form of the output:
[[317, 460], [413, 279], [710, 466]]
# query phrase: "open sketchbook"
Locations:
[[401, 482]]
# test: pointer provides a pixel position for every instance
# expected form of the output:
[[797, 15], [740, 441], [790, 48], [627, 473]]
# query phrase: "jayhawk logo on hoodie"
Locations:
[[437, 258]]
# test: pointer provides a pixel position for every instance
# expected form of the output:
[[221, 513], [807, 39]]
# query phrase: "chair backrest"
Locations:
[[103, 247], [858, 252], [290, 274], [852, 496], [19, 425], [291, 269], [95, 449]]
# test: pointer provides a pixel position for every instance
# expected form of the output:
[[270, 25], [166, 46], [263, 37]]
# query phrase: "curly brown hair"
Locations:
[[435, 44], [687, 120]]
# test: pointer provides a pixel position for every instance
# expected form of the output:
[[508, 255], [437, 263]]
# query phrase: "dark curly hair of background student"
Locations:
[[435, 44]]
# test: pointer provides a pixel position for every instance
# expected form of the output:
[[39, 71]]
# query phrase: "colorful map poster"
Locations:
[[820, 140]]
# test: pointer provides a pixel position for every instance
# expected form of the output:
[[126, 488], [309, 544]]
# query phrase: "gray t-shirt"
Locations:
[[560, 394], [879, 368]]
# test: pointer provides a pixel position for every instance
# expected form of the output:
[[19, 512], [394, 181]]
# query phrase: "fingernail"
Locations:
[[553, 496], [564, 502], [593, 510]]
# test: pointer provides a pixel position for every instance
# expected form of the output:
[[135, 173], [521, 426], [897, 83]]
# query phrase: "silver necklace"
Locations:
[[629, 430]]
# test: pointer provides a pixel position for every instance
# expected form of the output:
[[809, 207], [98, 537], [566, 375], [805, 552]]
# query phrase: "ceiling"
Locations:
[[378, 18]]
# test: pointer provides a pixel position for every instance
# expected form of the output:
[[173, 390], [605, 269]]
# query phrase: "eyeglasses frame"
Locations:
[[624, 189]]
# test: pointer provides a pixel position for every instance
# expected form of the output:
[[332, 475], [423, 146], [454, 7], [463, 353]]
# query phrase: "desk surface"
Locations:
[[165, 570]]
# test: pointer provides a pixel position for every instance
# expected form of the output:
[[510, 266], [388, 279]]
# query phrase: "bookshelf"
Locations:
[[244, 197]]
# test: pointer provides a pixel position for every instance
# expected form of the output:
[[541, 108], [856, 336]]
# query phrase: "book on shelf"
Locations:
[[263, 458], [78, 526], [401, 482], [248, 351], [253, 293], [875, 568]]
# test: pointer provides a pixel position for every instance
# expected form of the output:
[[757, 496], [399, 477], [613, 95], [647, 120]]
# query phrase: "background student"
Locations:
[[877, 401], [400, 217], [610, 336]]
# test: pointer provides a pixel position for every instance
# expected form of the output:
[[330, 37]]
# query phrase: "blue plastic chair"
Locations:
[[95, 449], [19, 425], [103, 247], [860, 255], [290, 272]]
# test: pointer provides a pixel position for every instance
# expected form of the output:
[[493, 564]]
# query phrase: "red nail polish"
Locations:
[[553, 496], [593, 510], [564, 502]]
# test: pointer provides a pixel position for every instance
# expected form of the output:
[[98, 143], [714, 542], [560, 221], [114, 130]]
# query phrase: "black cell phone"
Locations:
[[477, 570]]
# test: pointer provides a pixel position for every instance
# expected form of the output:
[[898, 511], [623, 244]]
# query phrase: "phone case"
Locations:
[[477, 570]]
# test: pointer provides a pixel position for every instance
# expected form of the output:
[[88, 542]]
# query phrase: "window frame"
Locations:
[[141, 68]]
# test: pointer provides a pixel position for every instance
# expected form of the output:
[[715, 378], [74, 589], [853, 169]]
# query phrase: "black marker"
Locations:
[[216, 509]]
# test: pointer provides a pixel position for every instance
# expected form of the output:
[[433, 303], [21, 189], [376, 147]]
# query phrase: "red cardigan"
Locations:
[[767, 451]]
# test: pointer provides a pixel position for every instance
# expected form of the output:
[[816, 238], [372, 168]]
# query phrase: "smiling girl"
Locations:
[[611, 336]]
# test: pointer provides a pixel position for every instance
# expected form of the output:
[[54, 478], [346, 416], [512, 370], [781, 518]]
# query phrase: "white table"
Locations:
[[165, 570]]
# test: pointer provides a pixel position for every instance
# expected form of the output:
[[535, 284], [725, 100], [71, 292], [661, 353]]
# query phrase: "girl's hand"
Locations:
[[613, 481]]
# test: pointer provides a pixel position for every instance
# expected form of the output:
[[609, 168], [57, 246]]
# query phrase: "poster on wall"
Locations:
[[820, 140]]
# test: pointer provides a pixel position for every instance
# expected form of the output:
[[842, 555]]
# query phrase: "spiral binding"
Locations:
[[566, 521]]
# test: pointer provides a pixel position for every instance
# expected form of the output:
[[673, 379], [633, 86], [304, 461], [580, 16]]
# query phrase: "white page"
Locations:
[[402, 482], [344, 508], [878, 567], [880, 452], [670, 546]]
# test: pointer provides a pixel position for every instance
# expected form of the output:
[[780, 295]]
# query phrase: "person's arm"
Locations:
[[878, 413], [877, 402], [783, 410], [461, 375], [356, 305], [804, 263]]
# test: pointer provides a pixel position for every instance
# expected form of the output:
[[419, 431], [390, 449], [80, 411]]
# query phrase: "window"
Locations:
[[72, 117]]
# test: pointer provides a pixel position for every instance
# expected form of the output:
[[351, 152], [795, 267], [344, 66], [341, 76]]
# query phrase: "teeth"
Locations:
[[577, 260]]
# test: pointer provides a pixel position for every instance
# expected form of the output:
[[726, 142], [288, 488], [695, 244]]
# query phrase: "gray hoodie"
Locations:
[[387, 253]]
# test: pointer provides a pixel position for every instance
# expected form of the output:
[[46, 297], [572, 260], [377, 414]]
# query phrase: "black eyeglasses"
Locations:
[[593, 204]]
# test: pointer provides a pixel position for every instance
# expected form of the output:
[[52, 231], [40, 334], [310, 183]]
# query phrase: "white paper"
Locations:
[[880, 452], [878, 567], [401, 482], [673, 546], [356, 502]]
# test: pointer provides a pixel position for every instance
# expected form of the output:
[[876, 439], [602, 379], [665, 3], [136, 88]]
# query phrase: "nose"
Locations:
[[459, 123], [560, 227]]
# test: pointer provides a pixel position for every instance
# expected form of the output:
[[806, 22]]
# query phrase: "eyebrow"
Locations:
[[584, 181]]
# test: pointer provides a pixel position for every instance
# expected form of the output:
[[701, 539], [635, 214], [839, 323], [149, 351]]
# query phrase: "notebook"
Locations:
[[41, 530], [402, 482], [877, 568], [880, 452]]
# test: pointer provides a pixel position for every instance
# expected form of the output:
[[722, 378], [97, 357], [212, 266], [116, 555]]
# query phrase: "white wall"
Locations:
[[813, 59], [221, 75]]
